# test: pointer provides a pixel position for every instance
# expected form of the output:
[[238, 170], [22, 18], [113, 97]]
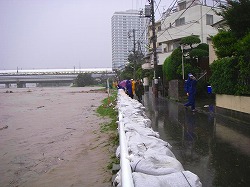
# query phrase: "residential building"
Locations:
[[128, 34], [188, 17]]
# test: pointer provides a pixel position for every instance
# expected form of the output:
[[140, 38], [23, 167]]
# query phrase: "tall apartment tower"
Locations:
[[123, 24]]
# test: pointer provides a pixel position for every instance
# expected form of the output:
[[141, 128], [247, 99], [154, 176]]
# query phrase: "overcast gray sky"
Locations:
[[38, 34]]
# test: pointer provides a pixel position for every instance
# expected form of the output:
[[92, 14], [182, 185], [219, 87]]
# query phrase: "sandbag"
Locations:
[[147, 145], [155, 165], [140, 129], [178, 179]]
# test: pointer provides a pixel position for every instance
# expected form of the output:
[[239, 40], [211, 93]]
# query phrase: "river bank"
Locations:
[[51, 137]]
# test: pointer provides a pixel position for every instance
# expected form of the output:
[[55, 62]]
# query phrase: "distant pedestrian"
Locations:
[[133, 86], [190, 88], [129, 89], [139, 90]]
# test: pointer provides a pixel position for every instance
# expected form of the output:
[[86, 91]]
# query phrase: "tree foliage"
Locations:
[[224, 76], [190, 40], [194, 54], [171, 64], [134, 66], [84, 79], [188, 68], [237, 15], [198, 53], [243, 47], [230, 73], [168, 69], [225, 44], [203, 46]]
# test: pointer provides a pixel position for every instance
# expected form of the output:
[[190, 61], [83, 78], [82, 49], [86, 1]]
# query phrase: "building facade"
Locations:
[[129, 29], [188, 17]]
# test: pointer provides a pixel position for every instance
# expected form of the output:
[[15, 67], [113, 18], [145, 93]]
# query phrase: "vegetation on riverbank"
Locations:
[[107, 109]]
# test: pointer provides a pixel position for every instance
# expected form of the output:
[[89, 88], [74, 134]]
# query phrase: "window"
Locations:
[[182, 5], [180, 21], [210, 19]]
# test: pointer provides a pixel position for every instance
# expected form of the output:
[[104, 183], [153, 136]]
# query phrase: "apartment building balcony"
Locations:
[[150, 59]]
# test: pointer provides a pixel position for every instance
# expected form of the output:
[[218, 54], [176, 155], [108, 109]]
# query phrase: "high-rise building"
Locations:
[[123, 37]]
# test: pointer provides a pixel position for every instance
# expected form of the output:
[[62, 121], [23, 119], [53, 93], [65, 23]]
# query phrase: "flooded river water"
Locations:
[[50, 137]]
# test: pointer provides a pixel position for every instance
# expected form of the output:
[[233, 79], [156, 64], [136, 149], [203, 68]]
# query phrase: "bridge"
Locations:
[[21, 77]]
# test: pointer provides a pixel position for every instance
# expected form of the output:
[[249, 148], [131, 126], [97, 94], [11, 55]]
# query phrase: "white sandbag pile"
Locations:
[[151, 160], [177, 179]]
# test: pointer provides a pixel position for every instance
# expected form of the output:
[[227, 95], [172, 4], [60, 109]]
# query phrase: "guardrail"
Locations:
[[126, 173]]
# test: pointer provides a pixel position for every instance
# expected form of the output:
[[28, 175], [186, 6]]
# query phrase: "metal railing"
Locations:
[[126, 172]]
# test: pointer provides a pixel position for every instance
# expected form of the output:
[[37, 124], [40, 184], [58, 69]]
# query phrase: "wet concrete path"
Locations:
[[213, 147]]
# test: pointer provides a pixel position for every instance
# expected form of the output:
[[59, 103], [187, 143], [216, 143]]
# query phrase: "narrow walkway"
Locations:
[[214, 147]]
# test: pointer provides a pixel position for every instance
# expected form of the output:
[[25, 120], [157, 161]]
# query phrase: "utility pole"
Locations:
[[134, 56], [151, 2], [182, 61], [134, 53]]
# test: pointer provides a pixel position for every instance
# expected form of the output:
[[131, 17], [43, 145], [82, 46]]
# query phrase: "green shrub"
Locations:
[[225, 44], [243, 85], [188, 68], [171, 64], [224, 76], [84, 79], [243, 47]]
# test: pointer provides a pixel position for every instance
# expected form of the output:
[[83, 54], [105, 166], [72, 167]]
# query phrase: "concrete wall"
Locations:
[[233, 106], [176, 89], [238, 103]]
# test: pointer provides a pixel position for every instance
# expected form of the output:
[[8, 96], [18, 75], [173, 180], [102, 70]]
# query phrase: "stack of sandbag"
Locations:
[[151, 159]]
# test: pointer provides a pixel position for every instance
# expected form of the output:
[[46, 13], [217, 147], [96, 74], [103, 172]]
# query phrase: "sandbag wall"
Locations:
[[151, 160]]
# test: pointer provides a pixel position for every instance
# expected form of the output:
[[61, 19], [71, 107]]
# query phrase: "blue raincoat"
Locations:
[[190, 88], [129, 89]]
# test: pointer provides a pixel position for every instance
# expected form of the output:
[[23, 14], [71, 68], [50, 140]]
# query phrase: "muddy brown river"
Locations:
[[51, 137]]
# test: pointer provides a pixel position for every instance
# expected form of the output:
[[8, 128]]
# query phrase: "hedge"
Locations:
[[230, 76]]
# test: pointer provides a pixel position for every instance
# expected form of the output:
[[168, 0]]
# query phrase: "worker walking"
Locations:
[[190, 88], [139, 90]]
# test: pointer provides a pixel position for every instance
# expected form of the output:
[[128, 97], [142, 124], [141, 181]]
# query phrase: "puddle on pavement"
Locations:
[[216, 149]]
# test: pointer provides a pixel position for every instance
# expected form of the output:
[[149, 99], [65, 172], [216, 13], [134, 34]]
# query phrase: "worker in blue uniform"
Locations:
[[190, 88], [129, 89]]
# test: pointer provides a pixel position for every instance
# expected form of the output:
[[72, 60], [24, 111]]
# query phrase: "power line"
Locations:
[[147, 20], [196, 21], [157, 5], [163, 21], [177, 18]]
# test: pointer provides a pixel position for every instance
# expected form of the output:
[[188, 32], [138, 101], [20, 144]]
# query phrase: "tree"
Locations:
[[171, 64], [194, 53], [243, 47], [190, 40], [84, 79], [230, 73], [237, 15], [127, 73], [225, 44], [133, 68]]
